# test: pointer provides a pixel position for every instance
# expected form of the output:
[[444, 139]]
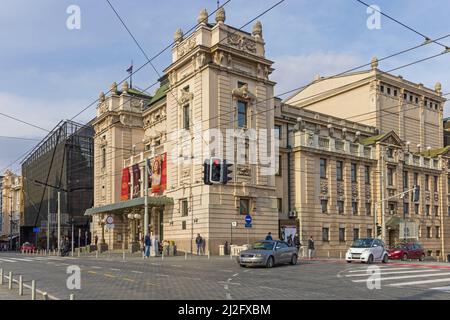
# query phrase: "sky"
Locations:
[[50, 72]]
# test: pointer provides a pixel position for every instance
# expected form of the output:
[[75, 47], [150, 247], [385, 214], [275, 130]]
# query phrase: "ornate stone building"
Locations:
[[348, 146], [12, 207]]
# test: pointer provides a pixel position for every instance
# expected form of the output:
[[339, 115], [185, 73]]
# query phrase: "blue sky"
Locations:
[[50, 73]]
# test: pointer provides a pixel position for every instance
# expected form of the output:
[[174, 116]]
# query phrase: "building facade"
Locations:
[[12, 209], [349, 146], [62, 161]]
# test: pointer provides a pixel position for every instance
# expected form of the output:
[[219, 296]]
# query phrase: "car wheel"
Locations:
[[348, 261], [370, 259], [385, 258], [422, 257], [242, 265], [405, 257], [294, 259], [269, 263]]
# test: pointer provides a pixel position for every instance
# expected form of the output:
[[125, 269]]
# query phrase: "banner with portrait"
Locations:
[[136, 181], [125, 189], [159, 173]]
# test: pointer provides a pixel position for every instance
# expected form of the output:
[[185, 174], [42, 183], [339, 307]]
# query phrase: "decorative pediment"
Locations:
[[390, 138], [243, 93]]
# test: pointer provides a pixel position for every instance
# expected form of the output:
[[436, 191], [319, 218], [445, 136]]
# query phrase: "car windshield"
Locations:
[[362, 243], [263, 245], [399, 246]]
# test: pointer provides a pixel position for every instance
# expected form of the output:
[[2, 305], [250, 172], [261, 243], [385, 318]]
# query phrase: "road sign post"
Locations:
[[248, 226]]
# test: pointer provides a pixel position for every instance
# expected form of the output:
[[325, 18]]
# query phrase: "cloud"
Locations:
[[296, 71]]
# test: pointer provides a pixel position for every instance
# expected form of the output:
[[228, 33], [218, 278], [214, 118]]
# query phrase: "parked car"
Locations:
[[405, 251], [268, 253], [367, 250], [28, 247]]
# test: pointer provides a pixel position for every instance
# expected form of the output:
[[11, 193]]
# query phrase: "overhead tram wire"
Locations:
[[426, 38]]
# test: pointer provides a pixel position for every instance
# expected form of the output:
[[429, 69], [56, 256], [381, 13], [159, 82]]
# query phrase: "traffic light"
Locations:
[[379, 232], [215, 176], [226, 172], [206, 172], [416, 194]]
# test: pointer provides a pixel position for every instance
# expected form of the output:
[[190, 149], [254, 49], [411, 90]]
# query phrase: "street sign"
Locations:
[[109, 220], [234, 224], [36, 230], [109, 226], [248, 221]]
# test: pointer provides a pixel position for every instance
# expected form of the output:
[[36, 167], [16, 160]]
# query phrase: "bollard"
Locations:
[[1, 276], [96, 254], [209, 255], [10, 281], [72, 296], [33, 289], [162, 255], [185, 256], [44, 296], [340, 255], [231, 256], [20, 286], [78, 252]]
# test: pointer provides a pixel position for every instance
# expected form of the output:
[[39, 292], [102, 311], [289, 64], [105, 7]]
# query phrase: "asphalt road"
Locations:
[[218, 278]]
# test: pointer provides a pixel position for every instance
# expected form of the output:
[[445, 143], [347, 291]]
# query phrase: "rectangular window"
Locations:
[[416, 209], [390, 177], [405, 180], [183, 225], [355, 234], [340, 207], [340, 171], [242, 114], [429, 232], [325, 235], [416, 179], [280, 205], [427, 210], [278, 131], [368, 209], [369, 233], [103, 158], [186, 119], [395, 93], [324, 206], [244, 205], [448, 185], [184, 208], [355, 208], [427, 182], [388, 91], [279, 168], [435, 183], [323, 168], [392, 208], [341, 234], [382, 88], [436, 211], [354, 173], [367, 174], [438, 232]]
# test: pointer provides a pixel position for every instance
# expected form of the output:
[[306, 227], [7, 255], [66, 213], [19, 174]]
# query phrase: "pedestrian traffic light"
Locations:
[[226, 172], [416, 194], [379, 230], [216, 171], [206, 172]]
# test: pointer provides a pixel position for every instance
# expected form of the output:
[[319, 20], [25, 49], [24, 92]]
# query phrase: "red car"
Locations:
[[407, 251], [28, 247]]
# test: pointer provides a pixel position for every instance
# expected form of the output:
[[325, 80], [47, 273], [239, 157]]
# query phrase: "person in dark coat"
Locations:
[[297, 243], [199, 243], [147, 245], [311, 248], [269, 237]]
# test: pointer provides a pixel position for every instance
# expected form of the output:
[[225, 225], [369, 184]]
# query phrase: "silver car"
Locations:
[[268, 253]]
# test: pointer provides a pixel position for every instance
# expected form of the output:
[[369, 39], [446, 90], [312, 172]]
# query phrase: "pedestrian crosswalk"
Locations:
[[9, 259], [424, 277]]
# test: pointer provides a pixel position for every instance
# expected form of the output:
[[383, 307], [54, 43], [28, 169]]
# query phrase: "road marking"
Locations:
[[95, 267], [138, 272], [162, 275], [22, 259], [92, 272], [407, 277], [176, 266], [128, 279], [394, 272], [236, 274], [225, 287], [114, 269], [228, 282], [229, 271], [228, 296], [443, 289], [418, 282], [6, 260], [109, 275], [391, 269]]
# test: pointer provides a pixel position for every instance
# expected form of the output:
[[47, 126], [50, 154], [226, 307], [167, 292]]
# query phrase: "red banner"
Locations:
[[125, 193], [159, 173]]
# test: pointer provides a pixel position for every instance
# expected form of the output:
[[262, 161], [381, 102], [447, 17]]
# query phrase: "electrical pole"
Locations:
[[146, 199], [10, 221], [59, 222], [48, 219]]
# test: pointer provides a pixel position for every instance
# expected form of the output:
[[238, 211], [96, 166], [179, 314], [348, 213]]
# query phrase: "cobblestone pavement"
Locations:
[[219, 278]]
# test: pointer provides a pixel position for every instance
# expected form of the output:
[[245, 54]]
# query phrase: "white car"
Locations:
[[367, 251]]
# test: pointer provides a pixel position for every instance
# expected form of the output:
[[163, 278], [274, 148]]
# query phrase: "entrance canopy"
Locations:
[[152, 202]]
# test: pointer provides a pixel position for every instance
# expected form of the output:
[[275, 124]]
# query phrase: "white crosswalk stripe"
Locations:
[[33, 259], [407, 276], [7, 260]]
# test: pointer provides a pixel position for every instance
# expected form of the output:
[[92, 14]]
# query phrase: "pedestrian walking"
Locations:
[[269, 237], [199, 243], [147, 245], [96, 240], [290, 241], [311, 248]]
